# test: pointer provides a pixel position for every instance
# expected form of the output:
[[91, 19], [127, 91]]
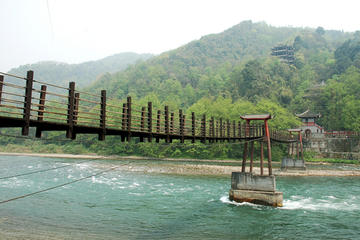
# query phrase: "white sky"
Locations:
[[82, 30]]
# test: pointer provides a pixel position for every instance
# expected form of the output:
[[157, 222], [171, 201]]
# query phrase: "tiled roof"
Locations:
[[256, 117]]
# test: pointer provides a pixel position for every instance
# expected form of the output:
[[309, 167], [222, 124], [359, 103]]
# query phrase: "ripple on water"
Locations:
[[326, 203], [226, 200]]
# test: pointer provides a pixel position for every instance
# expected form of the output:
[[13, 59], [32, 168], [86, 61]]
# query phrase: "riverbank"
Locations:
[[196, 166]]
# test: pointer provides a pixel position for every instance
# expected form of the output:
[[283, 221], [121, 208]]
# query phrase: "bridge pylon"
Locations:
[[249, 187], [295, 158]]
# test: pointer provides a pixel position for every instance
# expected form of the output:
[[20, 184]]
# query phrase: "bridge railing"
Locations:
[[34, 102], [284, 136]]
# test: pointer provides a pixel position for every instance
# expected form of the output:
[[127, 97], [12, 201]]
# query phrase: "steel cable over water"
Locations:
[[60, 185], [43, 170]]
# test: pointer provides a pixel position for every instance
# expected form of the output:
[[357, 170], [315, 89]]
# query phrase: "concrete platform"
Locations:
[[290, 163], [246, 187], [274, 199]]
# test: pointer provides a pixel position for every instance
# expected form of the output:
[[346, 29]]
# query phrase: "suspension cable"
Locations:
[[58, 186], [43, 170]]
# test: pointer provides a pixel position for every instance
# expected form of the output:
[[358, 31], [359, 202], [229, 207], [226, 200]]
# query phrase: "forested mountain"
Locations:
[[84, 73], [237, 65]]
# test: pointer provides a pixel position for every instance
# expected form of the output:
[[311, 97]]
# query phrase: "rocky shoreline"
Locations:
[[189, 168]]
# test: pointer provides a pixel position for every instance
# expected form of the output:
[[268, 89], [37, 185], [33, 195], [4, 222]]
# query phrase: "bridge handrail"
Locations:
[[68, 107]]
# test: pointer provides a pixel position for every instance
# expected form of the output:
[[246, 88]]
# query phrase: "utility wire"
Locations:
[[58, 186], [42, 170], [50, 21]]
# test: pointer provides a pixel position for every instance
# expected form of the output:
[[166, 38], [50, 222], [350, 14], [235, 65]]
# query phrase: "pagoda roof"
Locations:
[[256, 117], [308, 114]]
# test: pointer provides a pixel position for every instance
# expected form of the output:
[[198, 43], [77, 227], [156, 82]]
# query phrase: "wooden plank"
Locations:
[[150, 121], [1, 86], [27, 102], [123, 121], [41, 110], [102, 133], [193, 125], [128, 105], [142, 123], [70, 112], [167, 125]]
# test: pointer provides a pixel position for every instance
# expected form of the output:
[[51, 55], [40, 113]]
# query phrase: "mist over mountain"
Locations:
[[83, 73]]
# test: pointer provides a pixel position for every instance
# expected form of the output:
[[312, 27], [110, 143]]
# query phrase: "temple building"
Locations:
[[309, 125], [285, 53]]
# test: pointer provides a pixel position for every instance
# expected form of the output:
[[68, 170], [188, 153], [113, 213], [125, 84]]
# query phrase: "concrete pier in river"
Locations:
[[246, 187]]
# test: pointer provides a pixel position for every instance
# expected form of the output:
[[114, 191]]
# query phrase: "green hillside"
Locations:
[[236, 65]]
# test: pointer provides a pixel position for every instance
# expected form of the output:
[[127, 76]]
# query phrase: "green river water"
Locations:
[[123, 204]]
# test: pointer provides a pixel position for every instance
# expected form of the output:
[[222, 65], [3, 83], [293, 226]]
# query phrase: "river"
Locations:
[[123, 204]]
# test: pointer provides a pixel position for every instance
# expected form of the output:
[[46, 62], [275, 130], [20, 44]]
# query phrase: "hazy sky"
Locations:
[[75, 31]]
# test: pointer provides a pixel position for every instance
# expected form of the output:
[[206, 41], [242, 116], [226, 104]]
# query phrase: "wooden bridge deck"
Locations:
[[30, 103], [9, 122]]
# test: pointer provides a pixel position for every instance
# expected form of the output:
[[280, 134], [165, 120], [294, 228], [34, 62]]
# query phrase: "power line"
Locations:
[[50, 21], [43, 170], [58, 186]]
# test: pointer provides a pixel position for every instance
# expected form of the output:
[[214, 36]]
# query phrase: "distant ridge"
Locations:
[[83, 73]]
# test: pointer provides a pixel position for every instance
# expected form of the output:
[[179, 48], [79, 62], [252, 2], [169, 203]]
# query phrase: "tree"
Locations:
[[320, 30]]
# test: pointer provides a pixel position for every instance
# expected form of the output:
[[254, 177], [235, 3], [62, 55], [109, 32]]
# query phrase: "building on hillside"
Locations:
[[309, 125], [285, 53]]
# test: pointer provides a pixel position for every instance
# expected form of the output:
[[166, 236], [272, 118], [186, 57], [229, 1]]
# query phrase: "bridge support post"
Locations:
[[167, 127], [213, 129], [102, 116], [142, 123], [181, 126], [27, 102], [1, 86], [193, 127], [246, 187], [76, 112], [150, 121], [128, 118], [70, 113], [293, 160], [268, 146], [123, 120], [41, 109]]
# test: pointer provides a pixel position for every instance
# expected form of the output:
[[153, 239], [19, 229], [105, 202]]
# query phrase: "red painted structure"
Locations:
[[299, 141], [265, 118]]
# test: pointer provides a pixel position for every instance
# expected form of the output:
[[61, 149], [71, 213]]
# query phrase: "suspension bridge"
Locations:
[[26, 102]]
